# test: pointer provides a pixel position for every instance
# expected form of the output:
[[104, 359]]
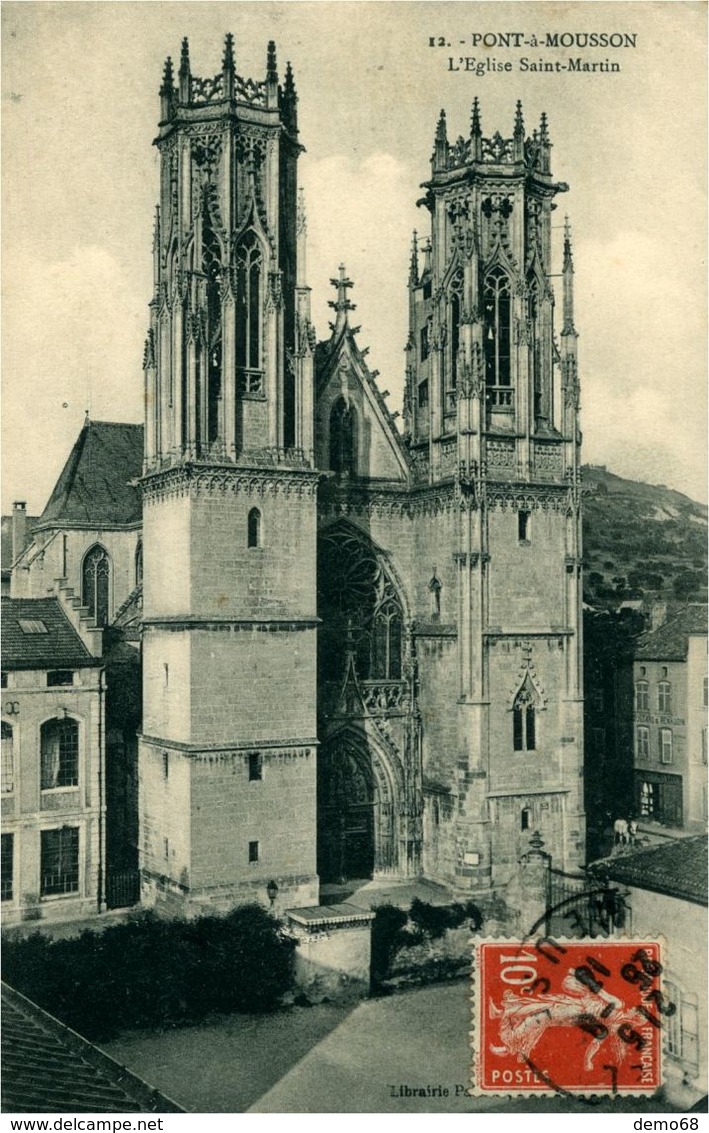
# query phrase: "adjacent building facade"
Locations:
[[666, 885], [670, 718], [53, 764]]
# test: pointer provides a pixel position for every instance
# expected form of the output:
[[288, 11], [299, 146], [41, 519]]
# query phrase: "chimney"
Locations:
[[658, 615], [19, 528]]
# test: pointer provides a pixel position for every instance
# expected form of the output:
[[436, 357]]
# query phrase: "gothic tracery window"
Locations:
[[212, 268], [361, 611], [248, 303], [497, 331], [95, 584], [524, 722]]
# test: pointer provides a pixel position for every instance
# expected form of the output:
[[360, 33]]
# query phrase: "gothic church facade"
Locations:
[[361, 646]]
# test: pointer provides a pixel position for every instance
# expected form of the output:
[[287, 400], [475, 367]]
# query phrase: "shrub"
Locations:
[[433, 920], [387, 938], [151, 972]]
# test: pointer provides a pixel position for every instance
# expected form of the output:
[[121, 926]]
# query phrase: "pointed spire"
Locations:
[[228, 66], [272, 92], [414, 262], [168, 81], [519, 120], [476, 135], [342, 305], [228, 63], [440, 145], [271, 66], [568, 282], [518, 136], [544, 145], [289, 101], [185, 73], [167, 90], [475, 129]]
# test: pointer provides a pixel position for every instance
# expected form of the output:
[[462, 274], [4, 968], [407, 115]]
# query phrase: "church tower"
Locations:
[[228, 750], [491, 412]]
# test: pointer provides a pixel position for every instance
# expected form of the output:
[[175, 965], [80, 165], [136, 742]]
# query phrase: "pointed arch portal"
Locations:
[[355, 813]]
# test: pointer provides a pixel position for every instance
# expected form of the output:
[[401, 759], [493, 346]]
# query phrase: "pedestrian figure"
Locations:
[[632, 831], [620, 831]]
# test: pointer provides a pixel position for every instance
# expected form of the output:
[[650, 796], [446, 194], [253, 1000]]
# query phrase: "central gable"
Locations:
[[355, 434]]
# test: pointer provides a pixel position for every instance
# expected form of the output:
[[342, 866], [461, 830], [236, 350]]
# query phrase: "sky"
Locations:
[[80, 183]]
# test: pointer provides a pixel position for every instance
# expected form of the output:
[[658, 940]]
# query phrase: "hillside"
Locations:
[[641, 541]]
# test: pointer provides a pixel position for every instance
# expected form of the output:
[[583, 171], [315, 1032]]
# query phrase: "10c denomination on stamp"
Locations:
[[568, 1016]]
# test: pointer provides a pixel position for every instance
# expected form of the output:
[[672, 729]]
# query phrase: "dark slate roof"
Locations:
[[669, 641], [677, 868], [59, 648], [48, 1068], [95, 485]]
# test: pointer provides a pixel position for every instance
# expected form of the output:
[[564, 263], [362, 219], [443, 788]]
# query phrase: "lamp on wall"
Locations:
[[272, 890]]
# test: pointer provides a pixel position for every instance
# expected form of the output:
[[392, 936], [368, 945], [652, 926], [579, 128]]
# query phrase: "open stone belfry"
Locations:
[[361, 646]]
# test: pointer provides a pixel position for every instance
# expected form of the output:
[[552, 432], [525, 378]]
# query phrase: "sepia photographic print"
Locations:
[[354, 551]]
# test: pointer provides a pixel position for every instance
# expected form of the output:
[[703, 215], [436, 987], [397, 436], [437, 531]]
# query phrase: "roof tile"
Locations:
[[669, 641], [59, 648], [677, 868]]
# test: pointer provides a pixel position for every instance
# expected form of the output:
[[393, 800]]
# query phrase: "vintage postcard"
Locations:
[[354, 655]]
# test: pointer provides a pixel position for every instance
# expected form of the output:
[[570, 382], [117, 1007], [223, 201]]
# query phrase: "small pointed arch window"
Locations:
[[497, 327], [343, 438], [96, 583], [253, 528], [524, 719], [249, 302], [139, 563], [434, 587]]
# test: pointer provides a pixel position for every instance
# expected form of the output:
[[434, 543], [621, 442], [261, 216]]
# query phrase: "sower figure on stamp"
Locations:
[[523, 1021]]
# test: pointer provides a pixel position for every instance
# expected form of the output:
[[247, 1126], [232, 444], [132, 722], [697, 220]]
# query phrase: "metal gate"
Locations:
[[584, 906], [122, 888]]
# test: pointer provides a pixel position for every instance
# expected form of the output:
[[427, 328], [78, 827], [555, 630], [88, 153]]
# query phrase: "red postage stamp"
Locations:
[[568, 1016]]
